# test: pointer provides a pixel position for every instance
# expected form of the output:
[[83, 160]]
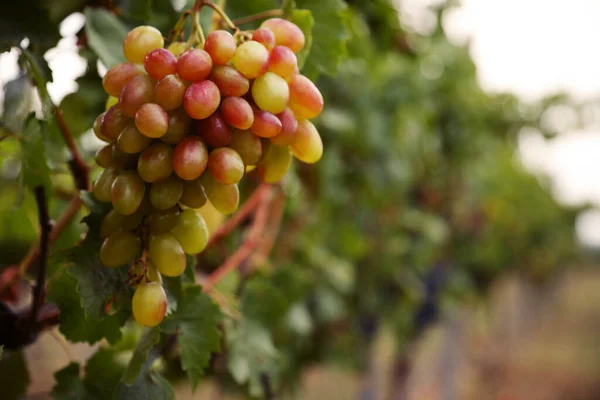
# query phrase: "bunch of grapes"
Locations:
[[189, 122]]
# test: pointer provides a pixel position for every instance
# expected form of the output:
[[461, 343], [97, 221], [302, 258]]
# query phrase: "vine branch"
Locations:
[[262, 15]]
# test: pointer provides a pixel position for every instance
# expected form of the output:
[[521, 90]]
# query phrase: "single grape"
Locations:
[[251, 59], [190, 158], [264, 36], [289, 125], [152, 120], [123, 160], [191, 232], [140, 41], [101, 188], [179, 126], [306, 100], [115, 222], [160, 63], [270, 92], [166, 254], [166, 193], [135, 94], [307, 145], [283, 61], [193, 194], [132, 141], [149, 304], [104, 156], [169, 91], [118, 76], [120, 248], [237, 112], [201, 99], [97, 128], [286, 33], [127, 192], [266, 124], [226, 165], [162, 221], [113, 123], [247, 145], [229, 81], [214, 130], [221, 46], [275, 165], [225, 198], [155, 163], [177, 48], [194, 65]]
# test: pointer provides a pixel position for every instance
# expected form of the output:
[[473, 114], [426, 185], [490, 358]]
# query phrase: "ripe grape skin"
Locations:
[[283, 61], [266, 124], [132, 141], [270, 92], [194, 65], [191, 232], [179, 126], [166, 193], [193, 194], [286, 33], [190, 158], [220, 45], [251, 59], [113, 122], [275, 164], [115, 222], [152, 120], [289, 125], [162, 221], [306, 100], [140, 41], [226, 165], [120, 248], [139, 91], [104, 156], [160, 63], [169, 91], [118, 76], [307, 145], [264, 36], [225, 198], [201, 99], [237, 112], [127, 192], [231, 82], [214, 130], [97, 128], [149, 304], [247, 145], [103, 184], [155, 163], [167, 254]]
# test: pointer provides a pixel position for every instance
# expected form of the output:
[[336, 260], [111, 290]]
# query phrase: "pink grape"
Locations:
[[113, 123], [266, 124], [289, 125], [220, 45], [229, 81], [226, 165], [118, 76], [169, 91], [152, 120], [214, 130], [155, 163], [307, 145], [194, 65], [283, 61], [286, 33], [135, 94], [160, 63], [305, 98], [201, 99], [237, 112], [190, 158], [264, 36]]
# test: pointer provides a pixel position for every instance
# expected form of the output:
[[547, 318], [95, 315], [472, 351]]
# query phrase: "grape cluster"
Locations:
[[185, 124]]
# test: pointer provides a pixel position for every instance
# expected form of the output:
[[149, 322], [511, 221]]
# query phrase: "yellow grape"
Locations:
[[149, 304], [141, 41], [167, 254], [307, 145], [271, 92], [191, 232]]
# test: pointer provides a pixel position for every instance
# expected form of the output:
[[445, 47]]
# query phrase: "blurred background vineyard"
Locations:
[[427, 256]]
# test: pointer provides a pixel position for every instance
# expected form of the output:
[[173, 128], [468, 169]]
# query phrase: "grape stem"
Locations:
[[221, 14], [262, 15]]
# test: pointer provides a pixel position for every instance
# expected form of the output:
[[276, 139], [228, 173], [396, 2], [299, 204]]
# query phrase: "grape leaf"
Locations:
[[35, 168], [305, 21], [196, 321], [149, 385], [262, 302], [68, 385], [147, 340], [105, 35], [81, 108], [103, 372], [14, 376]]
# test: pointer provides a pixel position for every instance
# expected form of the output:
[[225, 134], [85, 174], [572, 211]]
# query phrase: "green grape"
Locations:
[[140, 41], [270, 92], [103, 184], [104, 156], [225, 198], [177, 48], [191, 232], [166, 193], [179, 126], [247, 145], [275, 165], [127, 192], [307, 145], [132, 141], [193, 194], [137, 275], [226, 165], [155, 163], [149, 304], [167, 254], [162, 221], [115, 222], [120, 248], [152, 274]]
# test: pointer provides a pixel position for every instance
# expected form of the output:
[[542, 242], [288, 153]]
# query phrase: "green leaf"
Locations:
[[196, 320], [147, 340], [263, 302], [136, 10], [105, 34], [305, 21], [150, 385], [18, 103], [243, 8], [14, 376], [81, 108], [329, 36], [69, 385], [35, 168], [103, 373]]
